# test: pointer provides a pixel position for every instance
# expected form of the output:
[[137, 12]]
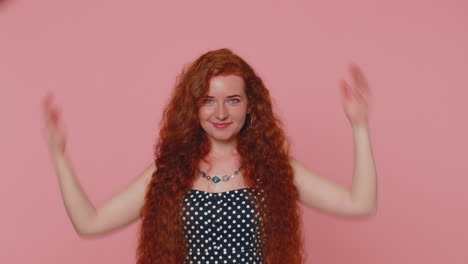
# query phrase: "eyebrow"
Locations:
[[235, 95]]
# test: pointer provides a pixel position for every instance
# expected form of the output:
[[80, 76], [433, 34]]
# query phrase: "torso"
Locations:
[[221, 223], [222, 227]]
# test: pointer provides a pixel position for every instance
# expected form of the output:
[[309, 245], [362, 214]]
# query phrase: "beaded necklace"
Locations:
[[216, 179]]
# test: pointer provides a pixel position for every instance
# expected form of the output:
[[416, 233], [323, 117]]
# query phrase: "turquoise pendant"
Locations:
[[216, 179]]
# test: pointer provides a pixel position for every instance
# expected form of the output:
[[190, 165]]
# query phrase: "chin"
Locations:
[[222, 138]]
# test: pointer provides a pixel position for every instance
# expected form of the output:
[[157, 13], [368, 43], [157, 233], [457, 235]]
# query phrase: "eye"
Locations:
[[208, 100], [234, 100]]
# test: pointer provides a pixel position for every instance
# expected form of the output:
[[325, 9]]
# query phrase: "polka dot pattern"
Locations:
[[222, 227]]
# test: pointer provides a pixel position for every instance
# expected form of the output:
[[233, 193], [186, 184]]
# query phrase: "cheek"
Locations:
[[203, 114], [241, 113]]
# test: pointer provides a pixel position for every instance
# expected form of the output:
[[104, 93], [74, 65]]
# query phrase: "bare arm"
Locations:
[[319, 192], [316, 191], [88, 220], [118, 211], [122, 208], [79, 208], [328, 196]]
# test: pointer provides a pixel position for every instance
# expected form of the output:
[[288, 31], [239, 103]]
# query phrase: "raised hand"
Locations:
[[356, 98], [54, 129]]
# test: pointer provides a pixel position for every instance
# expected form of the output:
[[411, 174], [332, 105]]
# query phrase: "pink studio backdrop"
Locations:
[[112, 65]]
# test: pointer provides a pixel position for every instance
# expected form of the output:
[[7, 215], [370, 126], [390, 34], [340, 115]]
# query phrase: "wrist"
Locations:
[[360, 127], [57, 151]]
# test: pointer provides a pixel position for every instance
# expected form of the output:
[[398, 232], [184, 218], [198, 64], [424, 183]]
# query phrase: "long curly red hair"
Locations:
[[182, 143]]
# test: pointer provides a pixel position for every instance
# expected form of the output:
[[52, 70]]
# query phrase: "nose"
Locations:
[[221, 112]]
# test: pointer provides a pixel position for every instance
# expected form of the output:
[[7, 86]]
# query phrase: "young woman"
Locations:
[[223, 187]]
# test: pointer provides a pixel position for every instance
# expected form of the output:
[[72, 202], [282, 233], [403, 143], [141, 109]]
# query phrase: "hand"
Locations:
[[356, 99], [55, 131]]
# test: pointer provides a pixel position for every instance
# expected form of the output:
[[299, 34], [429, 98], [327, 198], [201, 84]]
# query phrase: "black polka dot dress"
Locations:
[[222, 227]]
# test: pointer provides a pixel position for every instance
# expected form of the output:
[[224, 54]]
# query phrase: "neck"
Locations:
[[221, 155], [223, 148]]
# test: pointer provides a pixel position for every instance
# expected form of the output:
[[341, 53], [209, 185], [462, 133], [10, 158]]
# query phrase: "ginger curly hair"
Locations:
[[182, 143]]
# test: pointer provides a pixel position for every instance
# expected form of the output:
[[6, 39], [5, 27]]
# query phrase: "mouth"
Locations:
[[221, 125]]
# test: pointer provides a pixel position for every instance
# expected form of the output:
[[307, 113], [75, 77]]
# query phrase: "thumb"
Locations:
[[345, 89]]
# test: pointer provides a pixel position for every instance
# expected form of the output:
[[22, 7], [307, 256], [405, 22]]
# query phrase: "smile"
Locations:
[[221, 125]]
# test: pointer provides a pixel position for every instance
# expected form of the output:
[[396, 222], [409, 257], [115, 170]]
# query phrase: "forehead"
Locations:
[[225, 85]]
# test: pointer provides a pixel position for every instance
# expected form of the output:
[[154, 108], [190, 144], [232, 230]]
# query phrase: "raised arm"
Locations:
[[318, 192], [88, 220], [122, 208], [361, 199]]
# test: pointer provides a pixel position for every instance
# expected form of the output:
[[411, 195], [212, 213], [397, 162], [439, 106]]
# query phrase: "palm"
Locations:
[[356, 99]]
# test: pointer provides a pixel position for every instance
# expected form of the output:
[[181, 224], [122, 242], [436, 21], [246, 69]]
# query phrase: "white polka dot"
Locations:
[[220, 227]]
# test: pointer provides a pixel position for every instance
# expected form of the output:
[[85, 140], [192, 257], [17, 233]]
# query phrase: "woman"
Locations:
[[222, 188]]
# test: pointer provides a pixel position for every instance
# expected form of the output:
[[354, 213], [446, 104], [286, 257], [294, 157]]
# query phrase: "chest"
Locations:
[[218, 223]]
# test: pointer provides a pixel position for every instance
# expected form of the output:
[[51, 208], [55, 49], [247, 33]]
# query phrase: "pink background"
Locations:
[[112, 65]]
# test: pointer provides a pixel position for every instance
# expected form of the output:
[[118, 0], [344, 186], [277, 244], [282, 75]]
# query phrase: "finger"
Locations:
[[359, 78], [361, 86], [47, 106], [55, 115], [48, 99], [359, 96]]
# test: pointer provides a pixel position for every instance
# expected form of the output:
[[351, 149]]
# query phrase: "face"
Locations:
[[223, 110]]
